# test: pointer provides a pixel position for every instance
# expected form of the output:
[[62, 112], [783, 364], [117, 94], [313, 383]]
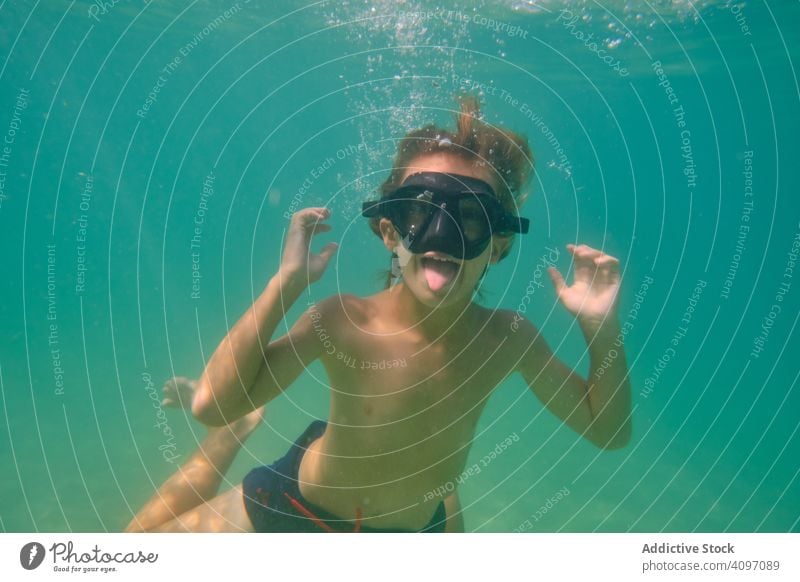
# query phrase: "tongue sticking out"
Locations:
[[438, 273]]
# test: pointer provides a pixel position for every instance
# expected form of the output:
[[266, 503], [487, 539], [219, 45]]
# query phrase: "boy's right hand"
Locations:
[[299, 265]]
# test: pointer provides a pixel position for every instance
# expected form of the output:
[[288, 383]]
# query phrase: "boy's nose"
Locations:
[[442, 235]]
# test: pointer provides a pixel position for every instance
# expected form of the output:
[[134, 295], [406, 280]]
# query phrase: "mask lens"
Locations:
[[409, 214], [475, 220]]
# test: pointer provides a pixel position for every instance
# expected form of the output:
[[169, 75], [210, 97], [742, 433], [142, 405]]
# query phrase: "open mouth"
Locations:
[[440, 270]]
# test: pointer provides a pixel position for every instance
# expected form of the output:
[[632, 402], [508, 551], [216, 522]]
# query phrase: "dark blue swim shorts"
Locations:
[[273, 501]]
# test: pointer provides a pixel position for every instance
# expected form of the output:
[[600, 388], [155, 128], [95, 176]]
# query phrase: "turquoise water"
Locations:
[[151, 152]]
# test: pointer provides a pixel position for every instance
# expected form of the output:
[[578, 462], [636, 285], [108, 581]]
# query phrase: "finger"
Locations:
[[309, 216], [583, 268], [606, 262], [583, 251], [319, 228], [607, 269], [327, 252], [310, 222], [558, 280]]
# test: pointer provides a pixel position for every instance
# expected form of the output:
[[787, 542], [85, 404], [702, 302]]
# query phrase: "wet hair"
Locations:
[[504, 153]]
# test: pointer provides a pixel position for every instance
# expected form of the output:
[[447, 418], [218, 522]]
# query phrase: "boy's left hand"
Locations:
[[592, 297]]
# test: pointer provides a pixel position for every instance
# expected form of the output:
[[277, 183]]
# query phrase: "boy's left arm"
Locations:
[[598, 408]]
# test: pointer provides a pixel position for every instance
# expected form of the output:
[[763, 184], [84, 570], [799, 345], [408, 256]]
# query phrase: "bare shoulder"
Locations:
[[525, 341], [511, 324], [521, 337], [342, 305], [340, 314]]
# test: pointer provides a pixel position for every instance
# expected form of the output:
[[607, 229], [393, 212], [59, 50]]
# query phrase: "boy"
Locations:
[[395, 433]]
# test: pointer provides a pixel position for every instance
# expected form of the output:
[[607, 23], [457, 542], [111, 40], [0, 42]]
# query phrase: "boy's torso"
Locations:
[[403, 411]]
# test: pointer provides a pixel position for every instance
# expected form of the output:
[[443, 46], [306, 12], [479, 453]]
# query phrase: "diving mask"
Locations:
[[447, 213]]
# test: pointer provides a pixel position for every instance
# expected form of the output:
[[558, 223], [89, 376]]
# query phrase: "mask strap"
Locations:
[[397, 272], [480, 281], [400, 258]]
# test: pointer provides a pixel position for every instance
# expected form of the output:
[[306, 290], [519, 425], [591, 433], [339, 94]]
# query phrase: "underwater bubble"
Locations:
[[274, 197]]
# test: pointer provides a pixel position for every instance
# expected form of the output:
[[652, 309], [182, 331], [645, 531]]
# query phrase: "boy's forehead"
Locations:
[[448, 164]]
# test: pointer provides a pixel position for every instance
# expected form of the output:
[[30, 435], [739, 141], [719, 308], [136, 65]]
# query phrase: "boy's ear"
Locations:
[[500, 246], [390, 236]]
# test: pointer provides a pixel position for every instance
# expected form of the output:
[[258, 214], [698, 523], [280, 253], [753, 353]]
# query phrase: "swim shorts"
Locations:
[[274, 504]]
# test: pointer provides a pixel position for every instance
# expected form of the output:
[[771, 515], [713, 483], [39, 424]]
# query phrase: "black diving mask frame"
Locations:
[[447, 213]]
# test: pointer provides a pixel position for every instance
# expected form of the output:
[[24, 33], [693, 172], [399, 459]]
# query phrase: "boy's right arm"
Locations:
[[248, 369]]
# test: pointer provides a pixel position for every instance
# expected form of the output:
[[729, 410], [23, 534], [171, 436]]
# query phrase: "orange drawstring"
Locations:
[[317, 521], [299, 507], [358, 520]]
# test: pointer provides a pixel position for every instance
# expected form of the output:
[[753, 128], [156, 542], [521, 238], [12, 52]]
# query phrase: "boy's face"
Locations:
[[435, 284]]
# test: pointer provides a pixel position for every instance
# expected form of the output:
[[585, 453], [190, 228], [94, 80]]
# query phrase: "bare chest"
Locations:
[[387, 379]]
